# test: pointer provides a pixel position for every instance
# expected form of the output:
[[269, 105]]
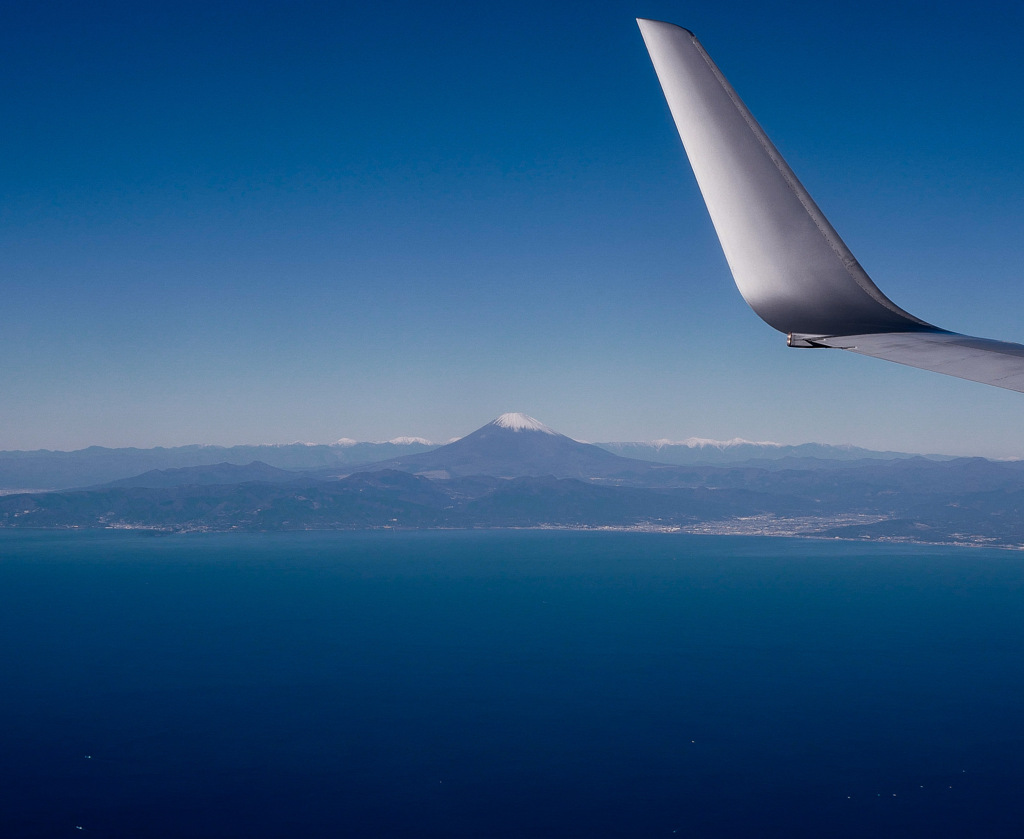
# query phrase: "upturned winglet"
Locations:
[[789, 263]]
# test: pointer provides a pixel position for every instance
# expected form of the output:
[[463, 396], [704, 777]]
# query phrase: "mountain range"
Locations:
[[44, 469], [516, 472]]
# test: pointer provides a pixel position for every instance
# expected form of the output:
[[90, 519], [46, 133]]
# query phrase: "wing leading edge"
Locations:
[[789, 263]]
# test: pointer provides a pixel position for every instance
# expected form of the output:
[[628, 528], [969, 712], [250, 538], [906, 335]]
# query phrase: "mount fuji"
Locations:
[[516, 446]]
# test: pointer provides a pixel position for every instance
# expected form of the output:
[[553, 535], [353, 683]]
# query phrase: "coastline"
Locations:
[[795, 527]]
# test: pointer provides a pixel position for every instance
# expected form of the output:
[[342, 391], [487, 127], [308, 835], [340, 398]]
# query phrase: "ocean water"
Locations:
[[507, 684]]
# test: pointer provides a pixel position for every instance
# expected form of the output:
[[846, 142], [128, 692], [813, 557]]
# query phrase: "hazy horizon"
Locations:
[[693, 441]]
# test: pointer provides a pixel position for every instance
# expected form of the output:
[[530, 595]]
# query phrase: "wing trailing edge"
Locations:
[[789, 263]]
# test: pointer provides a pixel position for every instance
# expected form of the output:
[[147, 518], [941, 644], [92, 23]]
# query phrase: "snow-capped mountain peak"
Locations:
[[406, 441], [704, 442], [521, 422]]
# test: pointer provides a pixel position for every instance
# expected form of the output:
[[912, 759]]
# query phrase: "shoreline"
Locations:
[[755, 526]]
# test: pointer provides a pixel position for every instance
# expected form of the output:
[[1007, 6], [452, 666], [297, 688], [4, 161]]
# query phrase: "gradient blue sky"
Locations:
[[265, 222]]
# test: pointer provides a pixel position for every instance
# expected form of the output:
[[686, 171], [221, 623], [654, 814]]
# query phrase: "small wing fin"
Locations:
[[789, 263]]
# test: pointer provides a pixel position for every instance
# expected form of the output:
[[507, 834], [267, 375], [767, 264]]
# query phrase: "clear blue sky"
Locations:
[[266, 222]]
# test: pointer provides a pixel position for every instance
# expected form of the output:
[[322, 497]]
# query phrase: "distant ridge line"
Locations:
[[701, 442]]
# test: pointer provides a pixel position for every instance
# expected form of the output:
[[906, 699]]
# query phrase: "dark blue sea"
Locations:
[[507, 684]]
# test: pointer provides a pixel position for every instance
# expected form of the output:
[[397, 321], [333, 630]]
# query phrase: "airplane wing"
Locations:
[[789, 263]]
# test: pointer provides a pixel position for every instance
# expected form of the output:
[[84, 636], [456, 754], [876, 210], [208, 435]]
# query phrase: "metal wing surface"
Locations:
[[789, 263]]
